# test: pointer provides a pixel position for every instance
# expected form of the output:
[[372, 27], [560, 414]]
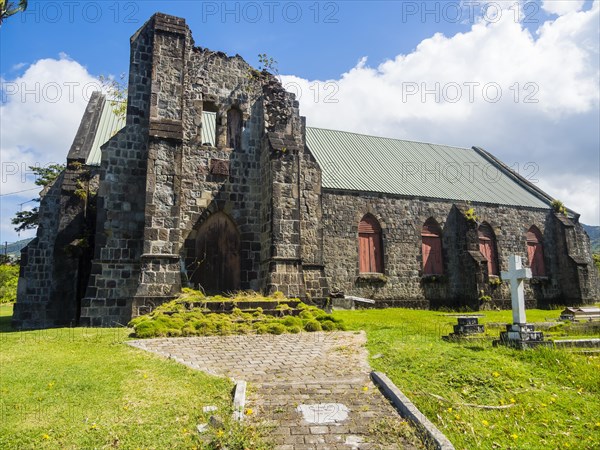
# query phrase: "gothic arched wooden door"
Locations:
[[218, 255]]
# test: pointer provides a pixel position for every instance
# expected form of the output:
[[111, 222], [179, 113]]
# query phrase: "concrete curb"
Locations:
[[409, 411], [239, 400]]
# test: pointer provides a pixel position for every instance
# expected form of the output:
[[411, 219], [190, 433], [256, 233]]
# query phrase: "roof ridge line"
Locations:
[[518, 178], [389, 138]]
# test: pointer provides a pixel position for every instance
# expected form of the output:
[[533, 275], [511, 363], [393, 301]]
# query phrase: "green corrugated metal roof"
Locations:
[[108, 125], [358, 162]]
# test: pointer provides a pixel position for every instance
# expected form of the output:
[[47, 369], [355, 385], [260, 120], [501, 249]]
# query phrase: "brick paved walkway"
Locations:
[[315, 387]]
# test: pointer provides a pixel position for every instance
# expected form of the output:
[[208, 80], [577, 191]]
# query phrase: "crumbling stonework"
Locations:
[[211, 184]]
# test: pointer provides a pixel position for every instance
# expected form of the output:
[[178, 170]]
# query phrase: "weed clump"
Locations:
[[194, 314]]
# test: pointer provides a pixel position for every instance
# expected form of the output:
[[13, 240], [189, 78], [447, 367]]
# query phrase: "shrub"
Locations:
[[324, 317], [312, 325], [294, 329], [261, 328], [145, 329], [189, 331], [276, 328], [205, 327], [306, 315], [328, 325], [291, 321]]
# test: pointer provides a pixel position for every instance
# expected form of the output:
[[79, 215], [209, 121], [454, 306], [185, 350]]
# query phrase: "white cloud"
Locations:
[[18, 66], [40, 113], [581, 196], [552, 121], [561, 7], [39, 116]]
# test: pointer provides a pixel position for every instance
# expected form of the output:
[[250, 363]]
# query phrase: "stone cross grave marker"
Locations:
[[516, 275]]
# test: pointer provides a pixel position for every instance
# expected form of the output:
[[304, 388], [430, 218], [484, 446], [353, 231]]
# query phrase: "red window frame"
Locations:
[[535, 252], [431, 247], [487, 247], [370, 247]]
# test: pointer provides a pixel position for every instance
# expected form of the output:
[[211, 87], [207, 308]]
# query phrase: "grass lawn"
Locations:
[[555, 393], [83, 388]]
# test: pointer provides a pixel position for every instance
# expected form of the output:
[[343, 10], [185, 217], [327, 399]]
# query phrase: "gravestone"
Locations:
[[467, 326], [574, 314], [520, 334]]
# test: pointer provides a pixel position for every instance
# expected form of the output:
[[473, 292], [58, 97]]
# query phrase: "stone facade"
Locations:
[[247, 209], [571, 277]]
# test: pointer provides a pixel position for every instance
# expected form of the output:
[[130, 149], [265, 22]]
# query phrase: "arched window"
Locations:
[[431, 235], [234, 128], [370, 248], [209, 124], [487, 247], [535, 252]]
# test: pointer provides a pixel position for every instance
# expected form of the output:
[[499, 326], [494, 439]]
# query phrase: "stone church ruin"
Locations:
[[214, 180]]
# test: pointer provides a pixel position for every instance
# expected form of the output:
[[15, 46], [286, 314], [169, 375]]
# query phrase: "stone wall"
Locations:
[[122, 200], [179, 180], [465, 277], [55, 265]]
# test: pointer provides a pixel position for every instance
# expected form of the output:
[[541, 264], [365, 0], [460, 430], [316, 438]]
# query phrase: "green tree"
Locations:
[[26, 220], [9, 276], [597, 261], [8, 9], [117, 94]]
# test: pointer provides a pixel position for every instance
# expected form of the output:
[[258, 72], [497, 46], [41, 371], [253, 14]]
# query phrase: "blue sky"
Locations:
[[372, 54], [309, 39]]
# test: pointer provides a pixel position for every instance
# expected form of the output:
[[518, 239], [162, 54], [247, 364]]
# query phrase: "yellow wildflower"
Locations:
[[249, 411], [45, 436], [449, 410], [220, 433], [512, 400], [365, 389], [514, 436], [496, 374], [93, 426], [457, 417], [485, 423], [145, 376]]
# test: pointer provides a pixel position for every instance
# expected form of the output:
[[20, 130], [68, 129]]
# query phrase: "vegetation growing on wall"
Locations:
[[559, 207]]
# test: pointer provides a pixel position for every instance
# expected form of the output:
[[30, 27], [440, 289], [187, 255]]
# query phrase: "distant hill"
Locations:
[[14, 248], [594, 233]]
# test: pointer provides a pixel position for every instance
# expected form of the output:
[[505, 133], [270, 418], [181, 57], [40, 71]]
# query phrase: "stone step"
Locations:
[[227, 307], [468, 329], [577, 343]]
